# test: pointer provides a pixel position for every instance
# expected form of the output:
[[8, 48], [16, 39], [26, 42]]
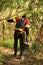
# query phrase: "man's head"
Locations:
[[24, 16]]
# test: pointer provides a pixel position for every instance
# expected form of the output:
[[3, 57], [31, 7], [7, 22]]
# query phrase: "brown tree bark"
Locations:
[[40, 36]]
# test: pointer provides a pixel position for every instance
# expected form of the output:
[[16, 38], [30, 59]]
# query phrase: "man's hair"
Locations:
[[24, 16]]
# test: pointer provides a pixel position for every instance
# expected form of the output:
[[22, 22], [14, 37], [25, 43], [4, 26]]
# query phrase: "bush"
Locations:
[[8, 43]]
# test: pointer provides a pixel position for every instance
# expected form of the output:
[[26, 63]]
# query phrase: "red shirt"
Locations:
[[26, 22], [17, 19]]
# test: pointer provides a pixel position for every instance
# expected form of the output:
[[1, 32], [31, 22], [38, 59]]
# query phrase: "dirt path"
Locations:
[[9, 59]]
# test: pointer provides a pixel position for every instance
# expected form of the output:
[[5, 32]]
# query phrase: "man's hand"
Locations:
[[21, 30]]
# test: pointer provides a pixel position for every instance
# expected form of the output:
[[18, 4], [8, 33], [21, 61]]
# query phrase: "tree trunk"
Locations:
[[40, 36]]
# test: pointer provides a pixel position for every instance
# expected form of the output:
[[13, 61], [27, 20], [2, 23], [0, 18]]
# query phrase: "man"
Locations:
[[20, 34]]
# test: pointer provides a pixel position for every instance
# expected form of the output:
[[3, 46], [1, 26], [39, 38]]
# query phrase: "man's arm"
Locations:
[[10, 20], [13, 20]]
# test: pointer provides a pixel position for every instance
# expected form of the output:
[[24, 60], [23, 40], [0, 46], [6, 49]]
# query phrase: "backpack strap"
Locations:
[[21, 30]]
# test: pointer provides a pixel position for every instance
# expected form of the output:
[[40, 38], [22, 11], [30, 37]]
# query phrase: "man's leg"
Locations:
[[22, 39], [15, 43]]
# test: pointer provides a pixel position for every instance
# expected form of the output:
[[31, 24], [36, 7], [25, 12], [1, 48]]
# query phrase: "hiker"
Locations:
[[20, 30], [20, 34]]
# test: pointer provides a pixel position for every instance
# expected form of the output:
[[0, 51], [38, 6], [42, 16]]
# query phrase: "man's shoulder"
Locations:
[[17, 19]]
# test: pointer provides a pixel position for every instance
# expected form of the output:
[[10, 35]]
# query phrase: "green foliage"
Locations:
[[9, 43], [30, 7], [17, 1], [33, 48], [1, 59], [32, 1], [40, 0], [33, 10], [4, 4]]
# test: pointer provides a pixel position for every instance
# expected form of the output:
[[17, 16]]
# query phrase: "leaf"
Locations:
[[30, 7]]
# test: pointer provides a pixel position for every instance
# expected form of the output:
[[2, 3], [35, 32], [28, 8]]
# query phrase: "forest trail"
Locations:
[[9, 59]]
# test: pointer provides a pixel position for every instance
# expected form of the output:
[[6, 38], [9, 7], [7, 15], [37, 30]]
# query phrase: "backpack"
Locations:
[[20, 24]]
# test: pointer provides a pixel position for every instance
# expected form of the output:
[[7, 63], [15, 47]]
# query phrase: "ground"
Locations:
[[30, 59]]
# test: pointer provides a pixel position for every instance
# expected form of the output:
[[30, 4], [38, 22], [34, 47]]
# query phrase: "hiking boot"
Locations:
[[19, 56], [22, 58]]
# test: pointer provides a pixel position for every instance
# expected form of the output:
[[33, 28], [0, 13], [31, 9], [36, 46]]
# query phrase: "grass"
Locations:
[[10, 43], [1, 59]]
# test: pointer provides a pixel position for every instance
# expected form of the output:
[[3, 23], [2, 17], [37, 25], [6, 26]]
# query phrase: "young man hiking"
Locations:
[[20, 29], [20, 34]]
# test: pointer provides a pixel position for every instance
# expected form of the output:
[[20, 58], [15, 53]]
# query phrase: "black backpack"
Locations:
[[20, 24]]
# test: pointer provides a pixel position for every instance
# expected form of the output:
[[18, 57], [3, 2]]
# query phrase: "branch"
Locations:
[[13, 15]]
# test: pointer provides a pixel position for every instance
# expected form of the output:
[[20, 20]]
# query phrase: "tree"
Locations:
[[40, 36], [32, 8]]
